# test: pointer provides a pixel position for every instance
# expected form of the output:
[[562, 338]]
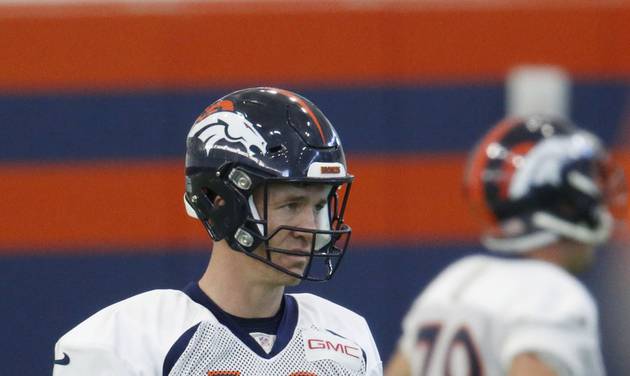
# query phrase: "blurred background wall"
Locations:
[[96, 100]]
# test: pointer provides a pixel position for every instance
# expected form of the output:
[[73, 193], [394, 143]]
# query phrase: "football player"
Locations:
[[266, 176], [547, 192]]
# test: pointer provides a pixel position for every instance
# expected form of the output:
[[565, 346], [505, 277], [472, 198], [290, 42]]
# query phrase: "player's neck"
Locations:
[[237, 292], [574, 257], [550, 254]]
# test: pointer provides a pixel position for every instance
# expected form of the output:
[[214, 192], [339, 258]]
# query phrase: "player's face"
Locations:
[[297, 206]]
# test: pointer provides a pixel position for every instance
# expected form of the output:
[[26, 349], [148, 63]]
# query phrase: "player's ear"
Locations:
[[218, 201]]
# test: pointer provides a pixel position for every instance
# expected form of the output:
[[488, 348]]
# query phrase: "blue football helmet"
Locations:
[[255, 137], [538, 179]]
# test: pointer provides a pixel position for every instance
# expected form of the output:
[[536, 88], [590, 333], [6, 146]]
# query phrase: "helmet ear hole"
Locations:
[[219, 201], [219, 206], [202, 204], [215, 199]]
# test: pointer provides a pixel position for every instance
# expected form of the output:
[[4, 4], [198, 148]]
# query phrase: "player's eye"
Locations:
[[292, 206], [319, 207]]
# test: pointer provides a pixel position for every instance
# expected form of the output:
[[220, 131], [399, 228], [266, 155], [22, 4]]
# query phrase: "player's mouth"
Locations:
[[300, 252], [296, 261]]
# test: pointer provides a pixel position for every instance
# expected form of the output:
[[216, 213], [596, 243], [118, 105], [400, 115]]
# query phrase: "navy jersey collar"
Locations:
[[267, 325], [285, 329]]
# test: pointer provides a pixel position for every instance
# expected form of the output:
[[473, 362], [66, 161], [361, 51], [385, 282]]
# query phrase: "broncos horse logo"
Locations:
[[230, 127]]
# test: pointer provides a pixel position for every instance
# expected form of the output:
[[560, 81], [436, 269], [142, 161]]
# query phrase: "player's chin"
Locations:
[[290, 280], [296, 267], [295, 264], [282, 278]]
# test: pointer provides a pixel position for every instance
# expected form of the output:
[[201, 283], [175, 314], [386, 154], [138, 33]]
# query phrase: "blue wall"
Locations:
[[44, 296]]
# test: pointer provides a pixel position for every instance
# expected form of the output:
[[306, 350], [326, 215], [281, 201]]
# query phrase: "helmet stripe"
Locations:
[[475, 187], [220, 105], [307, 108]]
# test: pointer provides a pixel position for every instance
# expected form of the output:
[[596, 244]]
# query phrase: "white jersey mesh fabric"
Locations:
[[214, 350]]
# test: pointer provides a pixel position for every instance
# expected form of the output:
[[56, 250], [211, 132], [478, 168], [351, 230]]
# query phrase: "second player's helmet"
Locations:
[[536, 180], [250, 139]]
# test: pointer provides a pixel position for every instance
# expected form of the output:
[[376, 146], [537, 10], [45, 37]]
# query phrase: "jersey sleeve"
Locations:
[[95, 347], [569, 349], [89, 359], [561, 327], [131, 337]]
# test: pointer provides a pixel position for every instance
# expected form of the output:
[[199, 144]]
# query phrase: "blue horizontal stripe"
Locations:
[[68, 289], [370, 119], [45, 296]]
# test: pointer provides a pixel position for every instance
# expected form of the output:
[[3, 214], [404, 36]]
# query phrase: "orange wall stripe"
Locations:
[[136, 206], [205, 44], [408, 198], [100, 205]]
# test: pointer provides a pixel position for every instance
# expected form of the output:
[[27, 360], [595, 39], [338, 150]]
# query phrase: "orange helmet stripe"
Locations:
[[306, 108], [473, 179]]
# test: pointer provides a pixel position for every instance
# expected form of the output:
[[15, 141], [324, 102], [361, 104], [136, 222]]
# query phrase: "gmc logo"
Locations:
[[320, 344]]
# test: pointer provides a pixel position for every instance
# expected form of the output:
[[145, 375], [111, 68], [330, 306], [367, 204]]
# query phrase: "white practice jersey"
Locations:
[[482, 311], [172, 332]]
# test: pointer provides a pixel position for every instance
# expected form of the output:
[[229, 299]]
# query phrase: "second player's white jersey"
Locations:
[[482, 311], [177, 333]]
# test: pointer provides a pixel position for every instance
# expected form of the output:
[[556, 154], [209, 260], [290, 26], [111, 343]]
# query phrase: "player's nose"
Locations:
[[307, 219]]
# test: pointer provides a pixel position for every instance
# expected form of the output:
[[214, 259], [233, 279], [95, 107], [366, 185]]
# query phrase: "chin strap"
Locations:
[[582, 234], [551, 229], [521, 244]]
